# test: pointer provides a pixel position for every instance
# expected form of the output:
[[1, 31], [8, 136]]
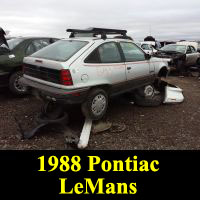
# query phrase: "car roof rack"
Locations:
[[97, 31]]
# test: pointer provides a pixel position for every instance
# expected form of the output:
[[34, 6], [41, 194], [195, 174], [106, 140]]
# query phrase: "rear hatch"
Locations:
[[51, 65]]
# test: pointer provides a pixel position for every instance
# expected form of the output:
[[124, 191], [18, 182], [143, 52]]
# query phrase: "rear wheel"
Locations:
[[149, 96], [14, 85], [96, 104]]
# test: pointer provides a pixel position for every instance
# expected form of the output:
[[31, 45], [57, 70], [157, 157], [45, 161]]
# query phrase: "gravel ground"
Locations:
[[164, 127]]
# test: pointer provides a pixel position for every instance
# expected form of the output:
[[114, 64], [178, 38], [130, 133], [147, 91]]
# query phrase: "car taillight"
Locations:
[[66, 78]]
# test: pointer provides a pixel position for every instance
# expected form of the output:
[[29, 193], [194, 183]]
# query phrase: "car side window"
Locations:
[[132, 53], [189, 50], [39, 44], [30, 49], [93, 57], [193, 49], [106, 53], [44, 42], [109, 53], [146, 47]]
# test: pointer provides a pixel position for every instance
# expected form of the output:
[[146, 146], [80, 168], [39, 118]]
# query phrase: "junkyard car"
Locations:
[[11, 60], [148, 48], [88, 71], [180, 57]]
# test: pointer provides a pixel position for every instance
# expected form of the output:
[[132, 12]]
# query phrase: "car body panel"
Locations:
[[116, 77], [13, 59]]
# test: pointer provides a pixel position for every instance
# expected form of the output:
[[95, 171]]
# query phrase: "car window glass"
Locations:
[[93, 57], [44, 42], [192, 49], [178, 48], [146, 47], [39, 44], [12, 43], [31, 49], [132, 53], [61, 50], [109, 53], [189, 50]]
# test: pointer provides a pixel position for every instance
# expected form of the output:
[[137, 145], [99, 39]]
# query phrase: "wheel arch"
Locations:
[[15, 69], [105, 87], [163, 72]]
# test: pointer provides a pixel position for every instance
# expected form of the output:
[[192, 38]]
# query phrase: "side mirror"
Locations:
[[147, 56]]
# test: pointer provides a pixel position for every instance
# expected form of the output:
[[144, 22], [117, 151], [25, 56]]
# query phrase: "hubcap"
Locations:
[[18, 86], [148, 91], [99, 104]]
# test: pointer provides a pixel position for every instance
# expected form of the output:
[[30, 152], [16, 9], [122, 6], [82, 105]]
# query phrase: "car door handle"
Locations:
[[128, 68]]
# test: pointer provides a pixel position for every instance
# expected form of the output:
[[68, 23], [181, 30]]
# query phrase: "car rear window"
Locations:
[[12, 43], [61, 50]]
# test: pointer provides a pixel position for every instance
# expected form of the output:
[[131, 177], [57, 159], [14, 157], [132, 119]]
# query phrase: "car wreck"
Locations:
[[12, 53], [87, 72], [180, 57]]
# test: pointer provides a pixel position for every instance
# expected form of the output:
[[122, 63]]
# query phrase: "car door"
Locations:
[[190, 56], [138, 68], [108, 65], [194, 56]]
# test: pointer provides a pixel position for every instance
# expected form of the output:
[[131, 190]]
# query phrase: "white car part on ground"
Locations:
[[173, 94], [85, 134]]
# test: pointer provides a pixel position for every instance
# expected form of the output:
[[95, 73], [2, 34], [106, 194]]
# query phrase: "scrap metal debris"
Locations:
[[173, 94], [101, 126], [70, 137], [116, 128]]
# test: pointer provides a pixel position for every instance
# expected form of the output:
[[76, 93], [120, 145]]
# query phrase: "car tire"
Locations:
[[96, 104], [153, 99], [15, 87], [198, 62]]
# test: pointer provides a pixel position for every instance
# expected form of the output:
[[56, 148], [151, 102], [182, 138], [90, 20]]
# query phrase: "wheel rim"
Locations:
[[18, 86], [99, 104], [148, 91]]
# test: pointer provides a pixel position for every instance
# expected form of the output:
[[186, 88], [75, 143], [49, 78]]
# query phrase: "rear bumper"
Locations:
[[4, 79], [63, 96]]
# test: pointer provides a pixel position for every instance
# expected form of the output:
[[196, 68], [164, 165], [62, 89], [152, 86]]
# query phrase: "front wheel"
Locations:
[[148, 96], [14, 85], [96, 104]]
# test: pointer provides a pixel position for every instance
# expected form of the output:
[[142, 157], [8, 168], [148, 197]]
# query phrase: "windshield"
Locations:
[[12, 43], [61, 50], [178, 48]]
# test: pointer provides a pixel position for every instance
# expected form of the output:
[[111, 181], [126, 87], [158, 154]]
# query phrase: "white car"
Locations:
[[148, 48], [89, 70]]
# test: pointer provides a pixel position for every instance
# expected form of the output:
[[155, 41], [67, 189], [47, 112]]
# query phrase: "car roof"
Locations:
[[89, 39], [176, 45], [34, 37]]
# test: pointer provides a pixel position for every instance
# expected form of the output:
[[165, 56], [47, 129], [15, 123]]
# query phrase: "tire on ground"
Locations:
[[12, 84], [148, 101], [198, 62], [87, 105]]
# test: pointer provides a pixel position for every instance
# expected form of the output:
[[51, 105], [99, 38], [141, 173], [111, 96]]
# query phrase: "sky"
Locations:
[[163, 19]]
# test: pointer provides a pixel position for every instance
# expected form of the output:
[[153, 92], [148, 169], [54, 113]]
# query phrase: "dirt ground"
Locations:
[[164, 127]]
